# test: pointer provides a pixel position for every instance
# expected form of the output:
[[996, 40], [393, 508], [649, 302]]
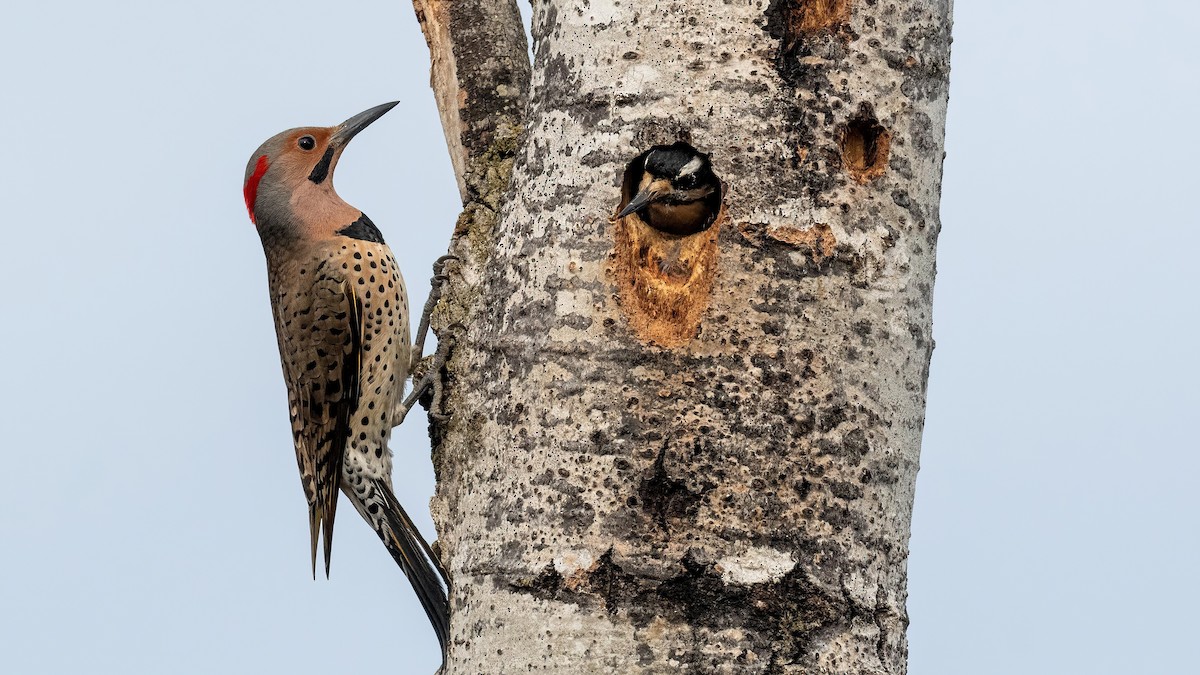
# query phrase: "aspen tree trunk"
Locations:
[[617, 494]]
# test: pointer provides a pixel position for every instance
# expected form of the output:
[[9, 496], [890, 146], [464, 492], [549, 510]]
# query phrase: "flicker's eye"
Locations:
[[307, 143], [686, 182]]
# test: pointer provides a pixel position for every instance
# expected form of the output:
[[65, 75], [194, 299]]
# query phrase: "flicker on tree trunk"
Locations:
[[341, 316]]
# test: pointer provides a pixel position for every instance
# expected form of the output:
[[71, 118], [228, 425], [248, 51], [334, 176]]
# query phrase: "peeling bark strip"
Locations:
[[479, 73], [739, 503]]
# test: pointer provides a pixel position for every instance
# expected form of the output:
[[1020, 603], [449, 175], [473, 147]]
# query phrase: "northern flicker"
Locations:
[[673, 189], [341, 316], [665, 235]]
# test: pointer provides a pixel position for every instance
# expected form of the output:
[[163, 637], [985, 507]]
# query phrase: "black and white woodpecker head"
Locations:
[[673, 189]]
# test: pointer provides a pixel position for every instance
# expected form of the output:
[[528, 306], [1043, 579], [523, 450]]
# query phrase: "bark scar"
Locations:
[[782, 618], [664, 281]]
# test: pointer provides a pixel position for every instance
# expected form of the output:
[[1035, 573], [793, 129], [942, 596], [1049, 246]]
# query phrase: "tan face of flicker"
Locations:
[[289, 180]]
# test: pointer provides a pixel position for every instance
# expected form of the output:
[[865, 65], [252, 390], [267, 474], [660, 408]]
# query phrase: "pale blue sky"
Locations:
[[153, 520]]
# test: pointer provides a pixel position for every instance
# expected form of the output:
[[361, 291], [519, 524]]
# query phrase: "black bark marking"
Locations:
[[568, 500], [665, 498], [781, 618], [807, 28]]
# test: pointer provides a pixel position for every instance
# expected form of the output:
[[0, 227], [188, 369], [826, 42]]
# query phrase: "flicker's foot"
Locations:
[[420, 365], [432, 369], [437, 285]]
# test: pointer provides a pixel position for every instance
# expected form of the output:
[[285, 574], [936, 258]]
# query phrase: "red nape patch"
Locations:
[[251, 189]]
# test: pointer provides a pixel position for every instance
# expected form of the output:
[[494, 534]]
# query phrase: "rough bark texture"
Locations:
[[738, 501], [480, 78]]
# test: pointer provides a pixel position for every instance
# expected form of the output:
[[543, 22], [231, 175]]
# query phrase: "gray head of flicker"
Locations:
[[294, 168]]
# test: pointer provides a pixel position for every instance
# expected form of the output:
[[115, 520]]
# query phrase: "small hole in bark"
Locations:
[[865, 146]]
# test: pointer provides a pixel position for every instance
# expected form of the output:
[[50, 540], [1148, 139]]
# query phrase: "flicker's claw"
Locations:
[[437, 362], [435, 405], [432, 368], [437, 285], [439, 274]]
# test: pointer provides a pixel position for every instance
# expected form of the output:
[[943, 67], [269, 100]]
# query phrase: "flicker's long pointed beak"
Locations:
[[653, 191], [348, 129]]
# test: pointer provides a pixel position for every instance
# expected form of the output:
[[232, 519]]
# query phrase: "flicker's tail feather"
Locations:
[[314, 533], [416, 559], [320, 519]]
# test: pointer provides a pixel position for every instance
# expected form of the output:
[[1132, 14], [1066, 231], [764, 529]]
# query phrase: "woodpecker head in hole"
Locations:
[[295, 167], [673, 189]]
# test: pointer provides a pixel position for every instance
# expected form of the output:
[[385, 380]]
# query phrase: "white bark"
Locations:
[[738, 501]]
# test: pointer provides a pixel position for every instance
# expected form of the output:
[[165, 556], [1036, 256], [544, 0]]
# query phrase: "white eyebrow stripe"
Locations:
[[691, 167]]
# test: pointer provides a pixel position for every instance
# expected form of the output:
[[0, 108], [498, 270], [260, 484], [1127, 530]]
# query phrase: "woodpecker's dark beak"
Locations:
[[348, 129], [655, 190]]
